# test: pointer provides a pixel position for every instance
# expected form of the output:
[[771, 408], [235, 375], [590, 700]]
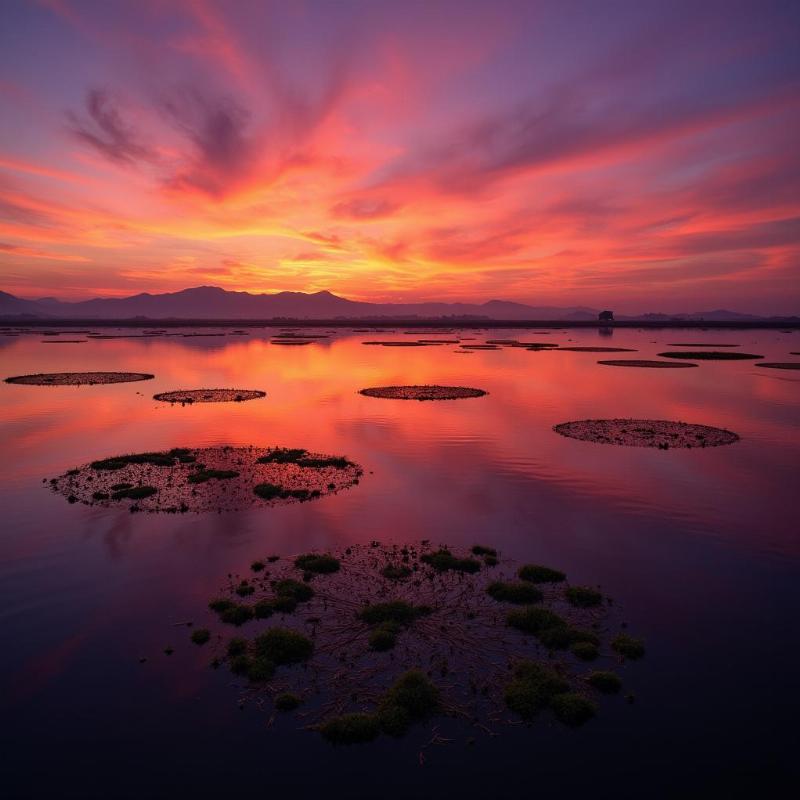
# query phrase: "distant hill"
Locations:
[[212, 302]]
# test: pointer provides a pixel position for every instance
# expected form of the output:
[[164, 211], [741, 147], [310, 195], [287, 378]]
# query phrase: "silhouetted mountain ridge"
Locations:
[[213, 302]]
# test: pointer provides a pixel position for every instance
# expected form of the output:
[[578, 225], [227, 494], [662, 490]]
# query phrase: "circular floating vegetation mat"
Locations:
[[597, 349], [397, 344], [79, 378], [207, 479], [639, 362], [780, 364], [422, 392], [660, 433], [377, 640], [184, 396], [709, 355]]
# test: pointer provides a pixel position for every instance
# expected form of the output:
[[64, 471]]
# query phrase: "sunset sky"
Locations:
[[641, 156]]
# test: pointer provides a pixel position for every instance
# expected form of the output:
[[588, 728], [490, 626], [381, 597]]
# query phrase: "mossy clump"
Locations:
[[573, 709], [561, 637], [263, 609], [585, 651], [583, 596], [398, 612], [282, 455], [256, 669], [414, 692], [627, 646], [201, 635], [291, 589], [396, 572], [283, 646], [536, 573], [236, 614], [480, 550], [244, 589], [203, 475], [533, 688], [118, 462], [287, 702], [100, 495], [320, 564], [336, 462], [491, 561], [443, 560], [534, 620], [237, 647], [393, 720], [606, 682], [220, 604], [384, 637], [134, 493], [549, 628], [514, 592], [271, 491], [350, 729], [257, 566]]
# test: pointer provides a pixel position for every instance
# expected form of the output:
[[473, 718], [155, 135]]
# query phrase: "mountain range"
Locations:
[[212, 302]]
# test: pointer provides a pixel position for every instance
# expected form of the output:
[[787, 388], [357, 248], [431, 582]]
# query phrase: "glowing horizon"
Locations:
[[635, 156]]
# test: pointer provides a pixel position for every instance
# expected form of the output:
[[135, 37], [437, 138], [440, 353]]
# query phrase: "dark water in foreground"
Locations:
[[700, 547]]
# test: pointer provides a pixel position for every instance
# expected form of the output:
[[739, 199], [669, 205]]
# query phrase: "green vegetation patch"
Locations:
[[606, 682], [627, 646], [583, 596], [320, 564], [480, 550], [203, 475], [287, 701], [443, 560], [396, 572], [533, 688], [514, 592], [271, 491], [350, 729], [283, 646], [573, 709], [282, 455], [585, 651], [201, 635], [536, 573]]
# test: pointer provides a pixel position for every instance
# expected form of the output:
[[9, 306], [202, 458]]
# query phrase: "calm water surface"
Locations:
[[700, 547]]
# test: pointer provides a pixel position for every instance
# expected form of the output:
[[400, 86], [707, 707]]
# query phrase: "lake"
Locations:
[[699, 548]]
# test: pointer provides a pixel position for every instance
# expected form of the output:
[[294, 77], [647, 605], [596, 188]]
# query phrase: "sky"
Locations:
[[641, 156]]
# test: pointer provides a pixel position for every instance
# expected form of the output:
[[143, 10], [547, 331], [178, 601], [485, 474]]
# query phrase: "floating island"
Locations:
[[595, 349], [659, 433], [189, 396], [422, 392], [207, 479], [780, 364], [78, 378], [709, 355], [641, 362], [377, 640]]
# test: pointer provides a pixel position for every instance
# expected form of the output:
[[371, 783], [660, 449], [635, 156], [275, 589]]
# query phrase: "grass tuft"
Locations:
[[536, 573]]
